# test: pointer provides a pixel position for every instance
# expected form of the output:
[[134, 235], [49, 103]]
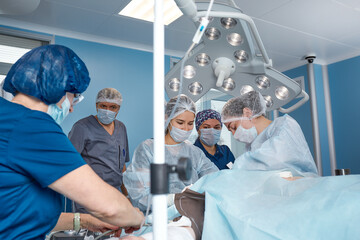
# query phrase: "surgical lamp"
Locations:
[[230, 58]]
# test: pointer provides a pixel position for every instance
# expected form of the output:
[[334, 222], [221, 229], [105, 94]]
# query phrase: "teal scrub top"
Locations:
[[34, 153]]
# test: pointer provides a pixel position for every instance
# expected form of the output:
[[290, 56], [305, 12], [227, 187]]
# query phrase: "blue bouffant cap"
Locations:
[[47, 73]]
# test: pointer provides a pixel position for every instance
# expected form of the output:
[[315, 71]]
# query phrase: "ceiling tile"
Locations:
[[257, 8], [324, 18], [105, 6], [297, 44], [64, 17]]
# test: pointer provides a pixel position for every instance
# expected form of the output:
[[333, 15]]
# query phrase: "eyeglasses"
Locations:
[[77, 98]]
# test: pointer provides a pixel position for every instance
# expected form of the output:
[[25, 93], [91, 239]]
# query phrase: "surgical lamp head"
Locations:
[[232, 59]]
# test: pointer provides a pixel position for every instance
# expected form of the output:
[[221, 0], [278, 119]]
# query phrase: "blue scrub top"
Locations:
[[222, 156], [34, 153]]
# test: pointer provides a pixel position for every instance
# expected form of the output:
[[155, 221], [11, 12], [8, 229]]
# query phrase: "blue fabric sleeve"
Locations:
[[44, 152], [77, 136], [127, 158]]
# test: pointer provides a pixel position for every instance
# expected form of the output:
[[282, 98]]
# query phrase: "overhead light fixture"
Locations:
[[144, 10], [231, 58]]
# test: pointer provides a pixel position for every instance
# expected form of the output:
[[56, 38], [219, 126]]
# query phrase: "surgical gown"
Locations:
[[137, 175], [281, 146], [262, 205]]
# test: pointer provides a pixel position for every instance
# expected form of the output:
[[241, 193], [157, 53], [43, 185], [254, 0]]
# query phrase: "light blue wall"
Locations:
[[130, 72], [344, 84], [303, 114]]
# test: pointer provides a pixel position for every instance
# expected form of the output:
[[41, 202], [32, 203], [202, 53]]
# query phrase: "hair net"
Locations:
[[205, 115], [110, 95], [47, 73], [233, 109], [184, 104]]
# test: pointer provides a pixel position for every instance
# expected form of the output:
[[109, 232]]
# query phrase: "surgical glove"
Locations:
[[187, 187], [170, 199]]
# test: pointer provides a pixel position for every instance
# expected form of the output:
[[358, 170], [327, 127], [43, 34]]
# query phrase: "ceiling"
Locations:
[[289, 29]]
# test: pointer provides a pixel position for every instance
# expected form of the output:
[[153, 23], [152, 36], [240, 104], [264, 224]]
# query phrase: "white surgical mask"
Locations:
[[106, 116], [179, 135], [209, 136], [245, 135], [59, 114]]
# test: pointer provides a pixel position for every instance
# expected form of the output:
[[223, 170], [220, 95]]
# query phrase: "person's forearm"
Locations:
[[103, 201], [65, 222], [118, 211]]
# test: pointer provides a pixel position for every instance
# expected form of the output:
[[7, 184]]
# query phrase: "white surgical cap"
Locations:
[[184, 104], [233, 109], [110, 95]]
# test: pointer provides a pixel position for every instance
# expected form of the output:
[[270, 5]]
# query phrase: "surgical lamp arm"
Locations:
[[187, 7], [246, 18], [296, 105]]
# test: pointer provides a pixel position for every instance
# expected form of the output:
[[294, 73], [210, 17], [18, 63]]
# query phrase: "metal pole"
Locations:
[[159, 200], [314, 114], [275, 114], [330, 127]]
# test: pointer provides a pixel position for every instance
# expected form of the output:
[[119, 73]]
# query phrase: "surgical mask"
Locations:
[[179, 135], [106, 116], [245, 135], [209, 136], [59, 114]]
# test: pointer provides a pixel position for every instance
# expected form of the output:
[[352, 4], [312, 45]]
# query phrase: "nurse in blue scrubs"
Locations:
[[209, 126], [37, 161]]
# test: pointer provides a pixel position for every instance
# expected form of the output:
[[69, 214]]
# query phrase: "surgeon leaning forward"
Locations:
[[102, 140]]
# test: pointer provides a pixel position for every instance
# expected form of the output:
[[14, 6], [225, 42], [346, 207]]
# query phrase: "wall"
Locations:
[[344, 86], [129, 71], [303, 114]]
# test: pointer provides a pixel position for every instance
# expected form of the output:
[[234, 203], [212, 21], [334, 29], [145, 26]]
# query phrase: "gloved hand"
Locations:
[[187, 187]]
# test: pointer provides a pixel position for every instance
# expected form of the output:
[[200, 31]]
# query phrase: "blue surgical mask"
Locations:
[[179, 135], [106, 116], [245, 135], [59, 114], [209, 136]]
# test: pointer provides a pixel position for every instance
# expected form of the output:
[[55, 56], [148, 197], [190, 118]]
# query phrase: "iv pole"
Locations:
[[159, 201]]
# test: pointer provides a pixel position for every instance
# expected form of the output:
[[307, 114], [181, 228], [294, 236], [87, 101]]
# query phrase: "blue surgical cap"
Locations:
[[47, 73]]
